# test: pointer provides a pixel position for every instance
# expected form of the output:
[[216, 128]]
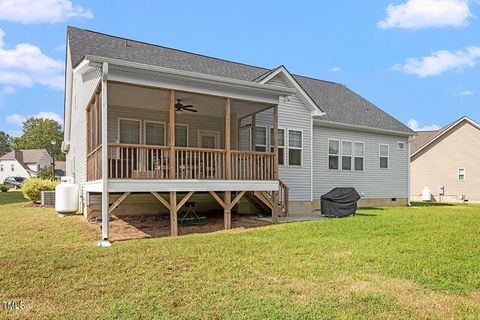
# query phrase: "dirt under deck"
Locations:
[[152, 226]]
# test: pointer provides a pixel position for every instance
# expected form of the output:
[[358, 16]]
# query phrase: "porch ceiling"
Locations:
[[131, 96]]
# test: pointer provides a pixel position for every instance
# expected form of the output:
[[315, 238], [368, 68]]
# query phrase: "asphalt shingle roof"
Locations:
[[340, 104]]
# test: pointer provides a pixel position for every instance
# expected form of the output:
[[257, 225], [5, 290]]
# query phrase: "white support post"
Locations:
[[105, 205]]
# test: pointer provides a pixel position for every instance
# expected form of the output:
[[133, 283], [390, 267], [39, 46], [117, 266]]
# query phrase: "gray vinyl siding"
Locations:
[[83, 89], [293, 114], [373, 182]]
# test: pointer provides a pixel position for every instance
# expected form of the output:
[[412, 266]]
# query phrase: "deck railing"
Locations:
[[132, 161]]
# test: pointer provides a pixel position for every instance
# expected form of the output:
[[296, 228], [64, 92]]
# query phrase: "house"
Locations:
[[149, 127], [446, 161], [60, 168], [23, 163]]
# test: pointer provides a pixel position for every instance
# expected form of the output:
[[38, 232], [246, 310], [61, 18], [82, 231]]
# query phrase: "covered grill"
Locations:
[[339, 202]]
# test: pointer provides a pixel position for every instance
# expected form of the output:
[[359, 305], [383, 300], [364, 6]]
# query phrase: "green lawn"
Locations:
[[388, 263]]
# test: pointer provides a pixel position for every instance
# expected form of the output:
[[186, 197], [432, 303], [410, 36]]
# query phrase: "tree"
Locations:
[[45, 173], [38, 133], [5, 141]]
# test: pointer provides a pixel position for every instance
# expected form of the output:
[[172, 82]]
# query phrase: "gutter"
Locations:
[[332, 124], [96, 61]]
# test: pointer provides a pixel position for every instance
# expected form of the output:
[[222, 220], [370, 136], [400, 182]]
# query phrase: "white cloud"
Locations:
[[336, 69], [6, 91], [26, 65], [413, 124], [440, 62], [417, 14], [45, 11], [19, 119], [465, 93]]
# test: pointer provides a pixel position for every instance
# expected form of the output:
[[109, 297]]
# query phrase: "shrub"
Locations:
[[4, 188], [46, 173], [33, 187]]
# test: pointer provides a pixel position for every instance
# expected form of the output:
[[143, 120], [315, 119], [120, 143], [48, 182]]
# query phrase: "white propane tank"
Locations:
[[66, 196], [426, 194]]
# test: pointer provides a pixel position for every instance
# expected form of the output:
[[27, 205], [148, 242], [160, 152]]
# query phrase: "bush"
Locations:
[[33, 187], [4, 188], [45, 173]]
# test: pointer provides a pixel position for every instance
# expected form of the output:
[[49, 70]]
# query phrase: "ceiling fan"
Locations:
[[180, 107]]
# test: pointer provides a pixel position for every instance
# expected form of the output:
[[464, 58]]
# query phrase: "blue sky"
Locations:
[[416, 59]]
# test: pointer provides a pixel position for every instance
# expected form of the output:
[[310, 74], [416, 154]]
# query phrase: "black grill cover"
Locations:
[[339, 202]]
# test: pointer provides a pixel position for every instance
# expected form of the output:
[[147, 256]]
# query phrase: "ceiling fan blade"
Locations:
[[189, 106], [191, 110]]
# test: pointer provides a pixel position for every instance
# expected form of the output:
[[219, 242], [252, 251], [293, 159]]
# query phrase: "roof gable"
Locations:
[[424, 139], [294, 83]]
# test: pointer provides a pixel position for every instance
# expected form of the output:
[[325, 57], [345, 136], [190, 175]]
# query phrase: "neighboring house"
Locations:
[[60, 168], [446, 161], [23, 163], [175, 121]]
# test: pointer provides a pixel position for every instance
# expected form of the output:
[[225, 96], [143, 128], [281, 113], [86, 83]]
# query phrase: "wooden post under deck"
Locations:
[[275, 164], [171, 135], [227, 210], [173, 214]]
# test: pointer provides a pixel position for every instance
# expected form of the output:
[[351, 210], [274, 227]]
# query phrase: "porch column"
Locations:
[[275, 164], [105, 217], [227, 212], [228, 156], [253, 127], [173, 214], [171, 135]]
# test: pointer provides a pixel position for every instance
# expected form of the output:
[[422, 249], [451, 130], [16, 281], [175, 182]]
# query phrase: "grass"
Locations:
[[387, 263]]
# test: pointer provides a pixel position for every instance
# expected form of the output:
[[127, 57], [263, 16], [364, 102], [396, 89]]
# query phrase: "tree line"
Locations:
[[37, 133]]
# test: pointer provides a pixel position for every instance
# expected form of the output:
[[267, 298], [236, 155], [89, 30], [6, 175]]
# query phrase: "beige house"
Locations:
[[447, 161]]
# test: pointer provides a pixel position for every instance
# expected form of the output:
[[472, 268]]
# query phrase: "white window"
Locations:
[[401, 145], [294, 147], [154, 133], [281, 145], [347, 155], [333, 154], [260, 139], [359, 155], [12, 167], [461, 174], [384, 154], [208, 139], [181, 135], [129, 131]]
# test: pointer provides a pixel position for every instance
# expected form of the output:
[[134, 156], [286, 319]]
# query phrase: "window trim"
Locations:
[[341, 155], [380, 156], [355, 156], [208, 133], [145, 131], [404, 145], [287, 146], [266, 138], [331, 154], [270, 143], [464, 174], [139, 128], [188, 133]]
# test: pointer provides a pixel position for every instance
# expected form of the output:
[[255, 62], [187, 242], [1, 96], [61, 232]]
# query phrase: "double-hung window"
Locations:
[[384, 154], [260, 139], [154, 133], [359, 152], [129, 131], [12, 167], [333, 154], [1, 167], [461, 174], [347, 155], [281, 145], [294, 147]]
